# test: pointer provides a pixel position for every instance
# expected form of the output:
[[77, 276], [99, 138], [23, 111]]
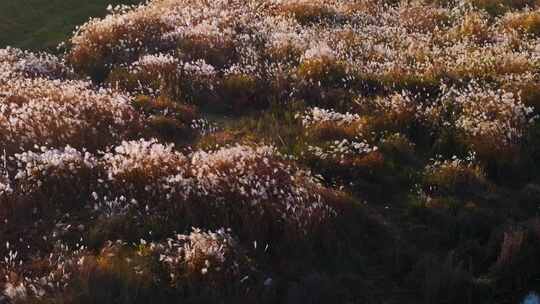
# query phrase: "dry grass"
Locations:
[[340, 146]]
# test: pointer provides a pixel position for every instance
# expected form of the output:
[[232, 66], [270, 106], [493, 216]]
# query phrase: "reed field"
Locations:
[[270, 151]]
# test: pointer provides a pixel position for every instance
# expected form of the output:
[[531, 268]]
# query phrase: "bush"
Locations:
[[94, 47], [496, 133], [26, 64], [423, 18], [527, 22], [308, 13], [61, 177], [322, 72], [57, 113], [455, 177], [200, 264], [498, 7], [240, 92], [171, 120], [253, 190], [474, 26]]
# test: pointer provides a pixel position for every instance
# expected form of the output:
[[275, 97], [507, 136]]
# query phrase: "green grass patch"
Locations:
[[43, 24]]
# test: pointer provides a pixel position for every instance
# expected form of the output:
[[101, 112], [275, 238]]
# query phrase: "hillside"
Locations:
[[275, 151]]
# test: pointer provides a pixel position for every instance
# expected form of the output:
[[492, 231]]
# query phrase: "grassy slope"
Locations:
[[42, 24], [23, 25]]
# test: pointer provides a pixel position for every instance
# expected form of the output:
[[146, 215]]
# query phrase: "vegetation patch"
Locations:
[[275, 151]]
